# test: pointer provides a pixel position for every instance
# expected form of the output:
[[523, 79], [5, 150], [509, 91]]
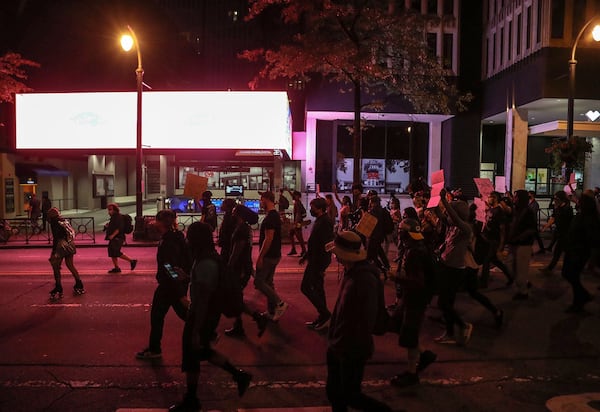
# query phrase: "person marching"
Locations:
[[115, 234], [318, 260], [63, 248], [209, 210], [296, 231], [172, 287]]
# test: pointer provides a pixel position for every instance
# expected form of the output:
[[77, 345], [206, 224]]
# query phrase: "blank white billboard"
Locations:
[[170, 120]]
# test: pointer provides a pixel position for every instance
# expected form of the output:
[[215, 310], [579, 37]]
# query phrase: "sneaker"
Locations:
[[292, 252], [279, 311], [261, 322], [405, 379], [466, 333], [189, 404], [323, 324], [133, 264], [235, 332], [520, 296], [426, 358], [148, 354], [115, 270], [445, 339], [243, 382]]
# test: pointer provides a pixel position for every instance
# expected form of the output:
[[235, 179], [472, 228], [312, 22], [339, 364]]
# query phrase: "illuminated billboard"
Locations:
[[171, 120]]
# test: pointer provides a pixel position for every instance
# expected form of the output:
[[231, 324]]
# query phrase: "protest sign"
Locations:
[[484, 186], [195, 185], [437, 184], [480, 211], [501, 184]]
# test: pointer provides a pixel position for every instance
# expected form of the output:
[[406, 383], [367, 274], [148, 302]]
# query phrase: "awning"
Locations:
[[29, 172], [558, 128]]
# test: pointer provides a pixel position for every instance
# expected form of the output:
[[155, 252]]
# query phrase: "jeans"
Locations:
[[163, 299], [344, 378], [263, 282], [313, 287], [450, 281], [521, 257], [573, 265]]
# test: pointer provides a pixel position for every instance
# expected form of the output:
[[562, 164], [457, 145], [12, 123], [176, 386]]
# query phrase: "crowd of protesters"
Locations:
[[441, 250]]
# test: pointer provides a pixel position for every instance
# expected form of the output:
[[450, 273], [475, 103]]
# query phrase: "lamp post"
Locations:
[[128, 41], [573, 66]]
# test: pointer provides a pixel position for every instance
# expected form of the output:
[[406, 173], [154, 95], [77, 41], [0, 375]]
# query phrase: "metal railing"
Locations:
[[28, 231]]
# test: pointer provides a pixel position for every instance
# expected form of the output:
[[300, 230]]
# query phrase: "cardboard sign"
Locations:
[[437, 184], [501, 184], [195, 185], [367, 224], [480, 211], [484, 186]]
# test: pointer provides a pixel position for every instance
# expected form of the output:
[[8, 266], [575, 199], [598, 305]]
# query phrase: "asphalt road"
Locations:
[[78, 355]]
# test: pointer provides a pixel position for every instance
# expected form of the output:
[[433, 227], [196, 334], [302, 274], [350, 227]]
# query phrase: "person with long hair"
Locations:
[[60, 235], [203, 317]]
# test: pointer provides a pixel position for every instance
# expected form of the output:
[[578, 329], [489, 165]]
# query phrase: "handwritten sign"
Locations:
[[480, 211], [484, 186], [195, 185], [437, 184]]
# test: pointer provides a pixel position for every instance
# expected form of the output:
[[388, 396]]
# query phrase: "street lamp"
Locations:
[[128, 41], [572, 67]]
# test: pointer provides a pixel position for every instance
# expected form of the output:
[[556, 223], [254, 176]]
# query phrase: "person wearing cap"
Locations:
[[350, 340], [414, 278], [240, 266], [318, 260], [296, 231], [62, 232], [208, 211], [455, 258], [269, 255]]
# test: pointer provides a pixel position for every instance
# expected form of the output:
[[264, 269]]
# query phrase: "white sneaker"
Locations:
[[279, 311]]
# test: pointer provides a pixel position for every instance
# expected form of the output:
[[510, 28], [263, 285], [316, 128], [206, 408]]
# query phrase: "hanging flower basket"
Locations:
[[569, 153]]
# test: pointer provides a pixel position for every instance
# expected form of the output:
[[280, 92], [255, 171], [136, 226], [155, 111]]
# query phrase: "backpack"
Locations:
[[127, 224], [284, 203]]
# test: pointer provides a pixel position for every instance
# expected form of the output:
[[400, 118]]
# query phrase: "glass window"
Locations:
[[432, 43], [432, 7], [415, 5], [448, 7], [519, 37], [538, 28], [448, 45], [558, 19], [501, 46], [510, 38], [494, 52]]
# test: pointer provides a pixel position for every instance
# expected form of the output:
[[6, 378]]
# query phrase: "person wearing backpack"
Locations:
[[204, 314], [353, 322], [62, 236], [115, 234]]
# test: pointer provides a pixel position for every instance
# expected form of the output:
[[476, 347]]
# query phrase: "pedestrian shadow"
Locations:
[[40, 317]]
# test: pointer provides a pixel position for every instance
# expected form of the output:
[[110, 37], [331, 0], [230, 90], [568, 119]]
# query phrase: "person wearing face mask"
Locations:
[[318, 259]]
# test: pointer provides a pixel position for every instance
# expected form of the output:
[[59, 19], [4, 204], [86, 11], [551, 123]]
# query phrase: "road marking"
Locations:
[[91, 305], [574, 403]]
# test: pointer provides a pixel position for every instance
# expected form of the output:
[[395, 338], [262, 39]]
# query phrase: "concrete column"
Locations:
[[311, 151], [434, 157], [515, 160]]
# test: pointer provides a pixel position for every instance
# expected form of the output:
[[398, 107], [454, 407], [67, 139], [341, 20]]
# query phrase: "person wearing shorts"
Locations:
[[115, 234]]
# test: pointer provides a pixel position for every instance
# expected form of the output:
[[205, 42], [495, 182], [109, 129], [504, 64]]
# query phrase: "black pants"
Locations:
[[472, 286], [344, 378], [573, 265], [313, 287], [163, 300], [556, 254], [376, 254], [492, 257], [538, 239], [450, 280]]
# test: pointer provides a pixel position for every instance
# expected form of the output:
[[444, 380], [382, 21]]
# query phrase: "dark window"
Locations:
[[448, 7], [432, 7], [448, 43], [528, 33], [538, 32], [432, 43], [501, 46], [558, 19], [415, 5], [494, 52], [578, 16], [519, 37], [510, 38]]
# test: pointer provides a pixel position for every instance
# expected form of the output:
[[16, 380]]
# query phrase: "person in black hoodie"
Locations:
[[172, 287], [520, 239], [350, 340], [318, 260], [583, 235], [226, 229]]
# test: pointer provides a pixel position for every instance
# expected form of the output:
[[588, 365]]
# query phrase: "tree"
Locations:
[[12, 75], [366, 44]]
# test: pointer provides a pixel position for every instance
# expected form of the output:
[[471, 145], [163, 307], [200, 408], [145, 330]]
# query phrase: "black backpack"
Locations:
[[127, 224]]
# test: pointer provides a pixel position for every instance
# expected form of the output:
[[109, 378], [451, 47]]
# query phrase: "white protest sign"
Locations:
[[501, 184], [437, 184]]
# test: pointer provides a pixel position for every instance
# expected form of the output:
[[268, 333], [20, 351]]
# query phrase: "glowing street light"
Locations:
[[572, 67], [128, 41]]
